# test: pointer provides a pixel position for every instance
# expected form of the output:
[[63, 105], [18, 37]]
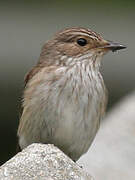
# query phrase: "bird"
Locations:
[[65, 97]]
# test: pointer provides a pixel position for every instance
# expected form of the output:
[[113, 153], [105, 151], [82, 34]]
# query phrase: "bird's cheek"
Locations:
[[69, 50]]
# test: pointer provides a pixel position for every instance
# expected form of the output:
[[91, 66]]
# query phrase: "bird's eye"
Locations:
[[82, 41]]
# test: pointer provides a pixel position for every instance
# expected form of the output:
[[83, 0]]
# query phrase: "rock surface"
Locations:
[[112, 154], [42, 162]]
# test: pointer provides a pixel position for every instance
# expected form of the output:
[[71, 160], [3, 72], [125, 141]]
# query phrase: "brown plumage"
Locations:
[[65, 96]]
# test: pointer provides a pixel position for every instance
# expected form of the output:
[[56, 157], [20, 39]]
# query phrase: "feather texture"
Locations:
[[64, 97]]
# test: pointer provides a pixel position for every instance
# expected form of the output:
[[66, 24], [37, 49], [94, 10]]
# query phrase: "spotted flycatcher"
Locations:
[[65, 97]]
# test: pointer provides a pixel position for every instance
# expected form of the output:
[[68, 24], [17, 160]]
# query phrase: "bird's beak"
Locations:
[[114, 46]]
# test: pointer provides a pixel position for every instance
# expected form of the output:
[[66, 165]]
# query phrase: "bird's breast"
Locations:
[[76, 100], [63, 108]]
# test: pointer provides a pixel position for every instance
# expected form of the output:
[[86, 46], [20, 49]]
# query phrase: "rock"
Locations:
[[42, 162], [112, 154]]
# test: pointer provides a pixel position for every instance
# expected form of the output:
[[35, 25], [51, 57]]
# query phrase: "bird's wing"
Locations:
[[27, 77], [35, 82]]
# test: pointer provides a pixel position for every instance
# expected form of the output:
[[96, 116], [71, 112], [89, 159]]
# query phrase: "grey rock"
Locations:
[[112, 154], [42, 162]]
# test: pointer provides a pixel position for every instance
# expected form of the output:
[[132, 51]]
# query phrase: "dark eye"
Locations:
[[82, 41]]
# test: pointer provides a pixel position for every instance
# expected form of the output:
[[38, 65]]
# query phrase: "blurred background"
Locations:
[[24, 28]]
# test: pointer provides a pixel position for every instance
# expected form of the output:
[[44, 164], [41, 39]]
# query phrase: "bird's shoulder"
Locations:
[[39, 69]]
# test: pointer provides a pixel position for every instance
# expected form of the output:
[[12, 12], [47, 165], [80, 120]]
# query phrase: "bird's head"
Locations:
[[76, 44]]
